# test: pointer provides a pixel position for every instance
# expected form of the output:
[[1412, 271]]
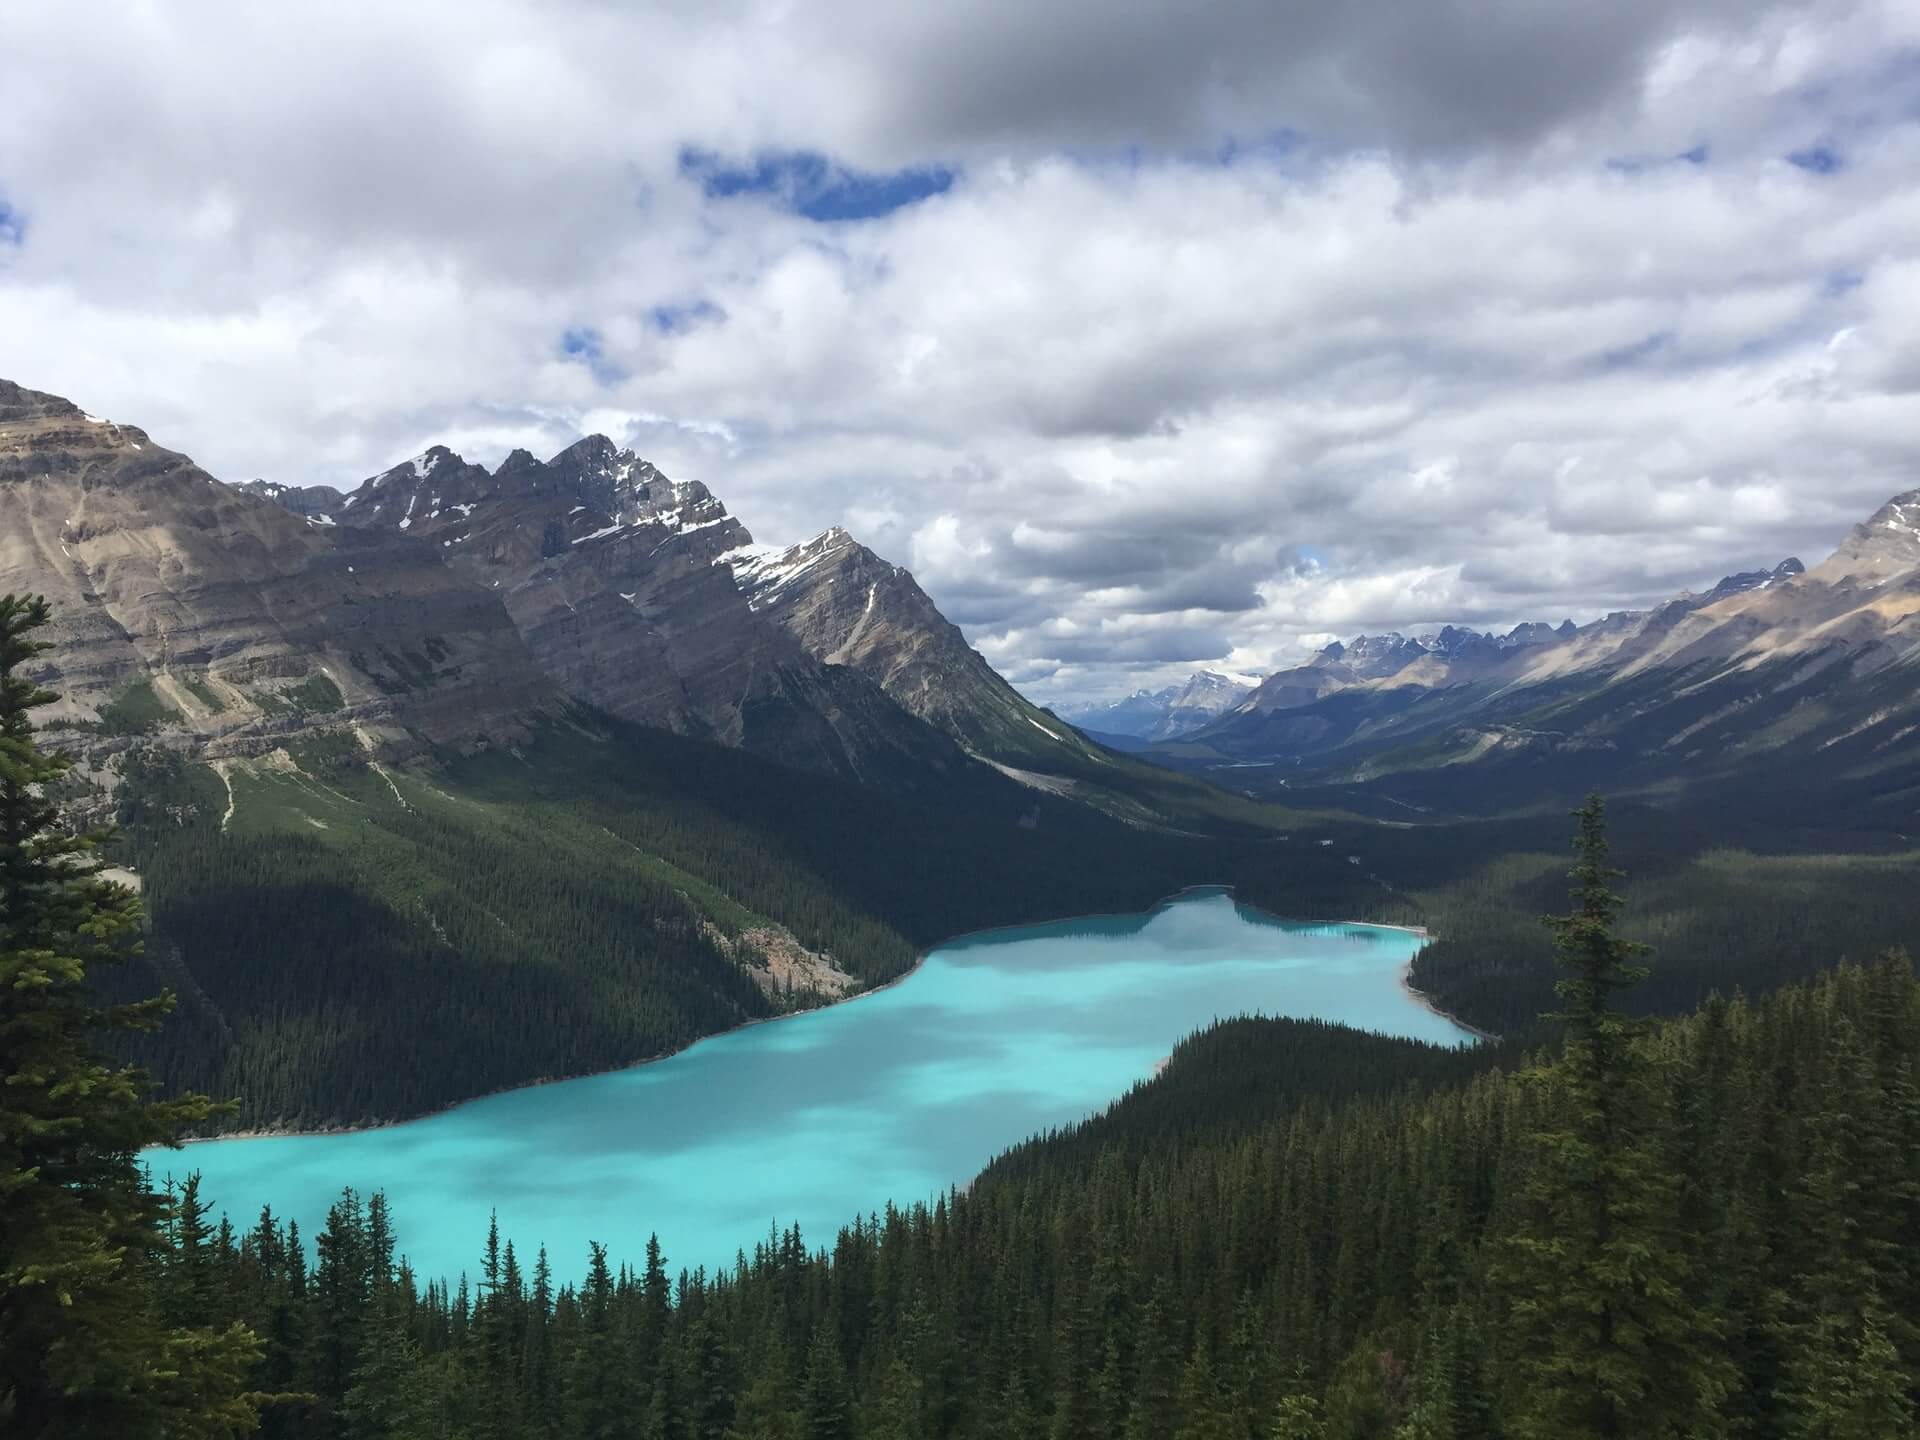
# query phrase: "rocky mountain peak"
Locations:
[[520, 469], [1373, 656], [58, 433], [1886, 546], [316, 502], [1455, 640], [1533, 632], [1746, 580], [17, 403], [214, 599], [1206, 695], [1169, 712]]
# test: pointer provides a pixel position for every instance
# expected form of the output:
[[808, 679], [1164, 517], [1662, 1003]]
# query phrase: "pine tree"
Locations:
[[826, 1409], [1204, 1411], [188, 1289], [1611, 1342], [541, 1385], [767, 1411], [84, 1350], [387, 1400], [600, 1401], [341, 1290], [1852, 1386], [1156, 1394]]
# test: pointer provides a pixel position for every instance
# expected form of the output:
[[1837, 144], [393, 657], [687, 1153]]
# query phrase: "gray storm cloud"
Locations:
[[1238, 325]]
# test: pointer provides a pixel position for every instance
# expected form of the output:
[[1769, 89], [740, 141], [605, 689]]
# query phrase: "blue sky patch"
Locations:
[[586, 345], [1817, 159], [807, 183], [1638, 164], [678, 319], [13, 225]]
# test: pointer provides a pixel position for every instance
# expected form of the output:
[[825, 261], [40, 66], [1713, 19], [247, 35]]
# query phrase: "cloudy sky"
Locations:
[[1151, 334]]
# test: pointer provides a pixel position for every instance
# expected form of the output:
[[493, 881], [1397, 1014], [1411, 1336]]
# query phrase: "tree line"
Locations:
[[1701, 1226]]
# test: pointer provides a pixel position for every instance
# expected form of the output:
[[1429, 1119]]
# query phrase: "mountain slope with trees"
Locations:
[[1692, 1227]]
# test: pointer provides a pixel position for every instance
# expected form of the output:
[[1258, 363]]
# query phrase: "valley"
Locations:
[[892, 1099], [973, 722], [582, 831], [458, 796]]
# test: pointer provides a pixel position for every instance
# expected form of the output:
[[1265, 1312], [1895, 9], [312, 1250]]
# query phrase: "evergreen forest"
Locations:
[[1611, 1225]]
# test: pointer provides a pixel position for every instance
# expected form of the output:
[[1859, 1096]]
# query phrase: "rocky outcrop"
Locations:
[[219, 614], [848, 607], [615, 577], [302, 500]]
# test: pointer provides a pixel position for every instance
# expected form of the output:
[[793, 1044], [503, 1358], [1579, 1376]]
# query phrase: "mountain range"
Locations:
[[530, 770], [445, 604], [442, 602], [1806, 677], [541, 768], [1163, 714]]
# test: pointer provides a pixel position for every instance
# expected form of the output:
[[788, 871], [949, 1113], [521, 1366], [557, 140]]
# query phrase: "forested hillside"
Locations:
[[602, 893], [1681, 1228], [599, 895], [1297, 1231]]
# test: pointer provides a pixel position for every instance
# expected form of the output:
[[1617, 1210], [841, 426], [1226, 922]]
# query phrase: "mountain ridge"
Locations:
[[629, 561], [176, 595], [1166, 713], [1765, 665]]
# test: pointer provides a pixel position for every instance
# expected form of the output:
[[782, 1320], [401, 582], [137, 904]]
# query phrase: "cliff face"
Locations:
[[845, 605], [226, 612], [615, 577]]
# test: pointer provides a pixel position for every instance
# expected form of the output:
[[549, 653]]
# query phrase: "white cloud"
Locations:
[[1473, 346]]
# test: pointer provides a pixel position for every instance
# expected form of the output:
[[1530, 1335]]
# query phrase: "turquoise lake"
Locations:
[[830, 1114]]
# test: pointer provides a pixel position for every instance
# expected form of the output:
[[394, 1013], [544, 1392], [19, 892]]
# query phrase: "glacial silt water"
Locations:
[[830, 1114]]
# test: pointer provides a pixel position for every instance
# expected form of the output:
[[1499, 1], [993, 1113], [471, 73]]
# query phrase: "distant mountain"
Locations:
[[472, 776], [180, 603], [1783, 676], [301, 500], [1167, 713], [847, 606], [615, 578], [644, 598]]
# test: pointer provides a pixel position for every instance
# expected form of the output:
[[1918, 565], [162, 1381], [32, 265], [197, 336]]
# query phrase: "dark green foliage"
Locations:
[[204, 693], [1304, 1259], [564, 909], [135, 711], [314, 695], [1612, 1341], [109, 1321], [1720, 917]]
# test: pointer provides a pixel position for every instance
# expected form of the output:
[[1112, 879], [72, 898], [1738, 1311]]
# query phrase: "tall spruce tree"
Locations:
[[85, 1347], [1610, 1341]]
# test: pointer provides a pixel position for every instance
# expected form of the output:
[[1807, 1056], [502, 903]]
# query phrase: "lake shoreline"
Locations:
[[1420, 996], [282, 1133], [276, 1133]]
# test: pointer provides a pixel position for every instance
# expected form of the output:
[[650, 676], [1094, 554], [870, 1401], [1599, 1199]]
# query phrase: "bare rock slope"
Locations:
[[179, 601]]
